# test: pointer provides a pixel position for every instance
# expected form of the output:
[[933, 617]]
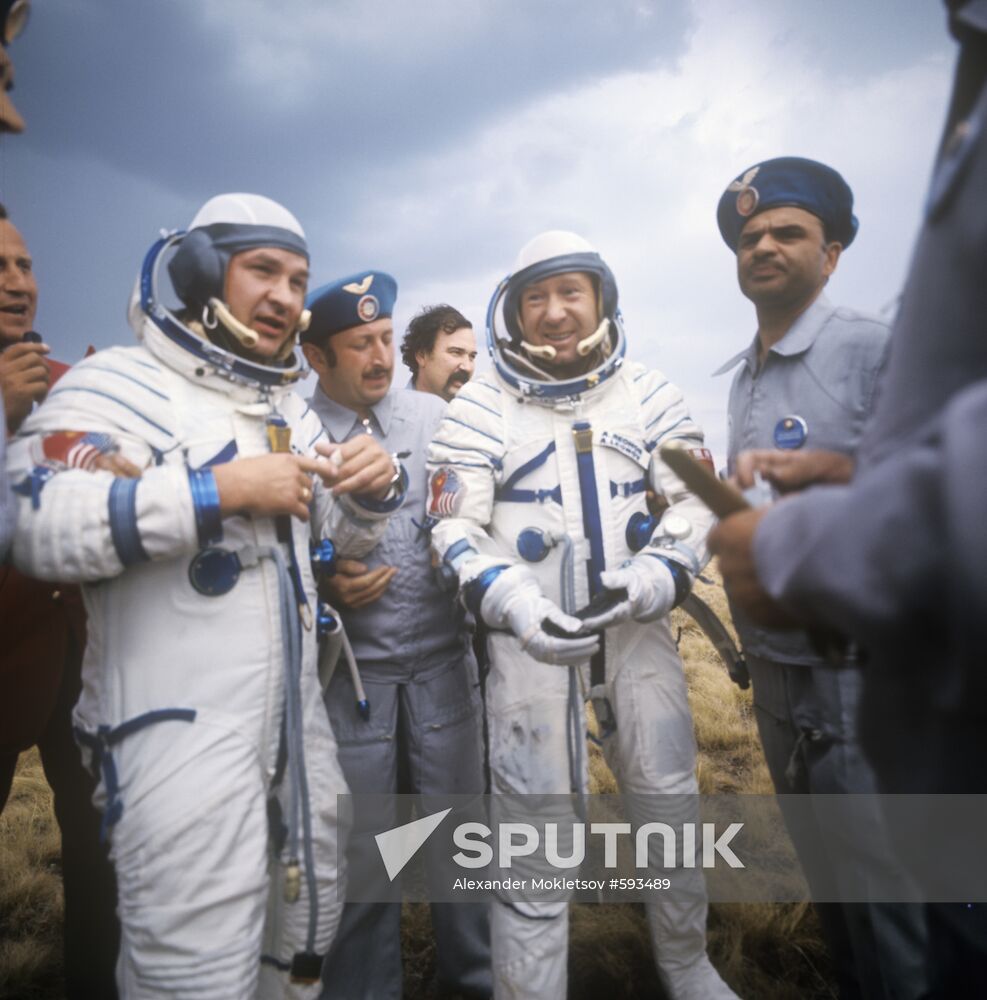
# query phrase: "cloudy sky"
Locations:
[[433, 138]]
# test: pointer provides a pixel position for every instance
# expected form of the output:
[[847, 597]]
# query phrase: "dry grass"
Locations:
[[767, 951], [30, 888]]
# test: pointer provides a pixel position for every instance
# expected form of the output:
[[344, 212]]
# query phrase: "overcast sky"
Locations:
[[433, 138]]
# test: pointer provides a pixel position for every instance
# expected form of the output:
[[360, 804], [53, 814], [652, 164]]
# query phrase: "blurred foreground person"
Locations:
[[897, 559], [201, 709], [13, 18], [538, 477], [44, 634], [440, 350], [799, 399], [422, 733]]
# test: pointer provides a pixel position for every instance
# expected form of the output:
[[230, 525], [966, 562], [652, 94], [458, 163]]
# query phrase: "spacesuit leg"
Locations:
[[653, 756], [190, 852], [527, 702], [365, 960], [287, 924]]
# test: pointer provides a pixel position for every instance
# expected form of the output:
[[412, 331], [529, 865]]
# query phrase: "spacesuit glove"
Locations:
[[514, 601], [650, 592]]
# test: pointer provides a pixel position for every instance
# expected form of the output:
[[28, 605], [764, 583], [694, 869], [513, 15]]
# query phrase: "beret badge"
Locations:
[[747, 194], [367, 308]]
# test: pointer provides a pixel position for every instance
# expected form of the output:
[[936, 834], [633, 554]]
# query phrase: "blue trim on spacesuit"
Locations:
[[205, 502], [591, 511], [489, 409], [475, 590], [226, 454], [495, 462], [507, 492], [653, 391], [123, 522], [96, 392], [129, 378], [627, 489], [476, 430], [680, 576], [456, 550], [100, 744], [32, 485]]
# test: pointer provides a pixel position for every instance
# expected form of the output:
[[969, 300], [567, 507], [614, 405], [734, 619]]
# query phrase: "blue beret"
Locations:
[[788, 180], [360, 298]]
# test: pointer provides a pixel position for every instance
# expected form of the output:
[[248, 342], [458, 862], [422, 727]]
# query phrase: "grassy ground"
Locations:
[[765, 951]]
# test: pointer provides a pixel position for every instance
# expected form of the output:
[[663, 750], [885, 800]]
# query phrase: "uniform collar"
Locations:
[[800, 337], [340, 420]]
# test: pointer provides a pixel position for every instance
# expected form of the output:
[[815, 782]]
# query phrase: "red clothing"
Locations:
[[37, 622]]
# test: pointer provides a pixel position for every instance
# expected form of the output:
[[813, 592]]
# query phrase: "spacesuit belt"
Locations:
[[106, 737]]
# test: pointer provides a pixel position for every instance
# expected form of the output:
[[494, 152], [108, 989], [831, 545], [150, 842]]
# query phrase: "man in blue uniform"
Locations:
[[414, 656], [808, 381], [897, 559]]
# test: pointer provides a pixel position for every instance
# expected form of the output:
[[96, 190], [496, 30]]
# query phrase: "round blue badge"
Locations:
[[791, 432], [532, 545], [214, 572], [639, 530]]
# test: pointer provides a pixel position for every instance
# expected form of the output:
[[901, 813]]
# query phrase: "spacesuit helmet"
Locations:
[[549, 254], [198, 262]]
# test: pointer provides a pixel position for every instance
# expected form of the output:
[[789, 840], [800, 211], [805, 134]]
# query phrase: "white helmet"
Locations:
[[548, 254], [226, 225]]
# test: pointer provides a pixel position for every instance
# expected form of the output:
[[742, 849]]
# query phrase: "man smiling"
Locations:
[[538, 479]]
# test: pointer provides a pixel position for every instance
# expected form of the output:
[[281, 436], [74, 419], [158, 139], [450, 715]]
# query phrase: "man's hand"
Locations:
[[24, 380], [354, 586], [514, 601], [791, 470], [268, 485], [732, 541], [359, 466]]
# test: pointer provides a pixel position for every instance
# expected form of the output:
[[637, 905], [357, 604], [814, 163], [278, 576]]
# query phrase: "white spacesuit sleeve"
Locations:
[[354, 524], [76, 524], [666, 421], [465, 460]]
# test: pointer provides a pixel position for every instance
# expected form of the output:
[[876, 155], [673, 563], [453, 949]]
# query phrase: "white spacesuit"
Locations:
[[538, 485], [201, 708]]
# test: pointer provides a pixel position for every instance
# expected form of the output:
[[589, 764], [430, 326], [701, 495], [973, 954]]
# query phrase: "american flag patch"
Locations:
[[446, 493], [73, 449]]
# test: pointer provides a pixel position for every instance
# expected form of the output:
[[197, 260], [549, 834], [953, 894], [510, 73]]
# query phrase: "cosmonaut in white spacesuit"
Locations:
[[537, 481], [201, 708]]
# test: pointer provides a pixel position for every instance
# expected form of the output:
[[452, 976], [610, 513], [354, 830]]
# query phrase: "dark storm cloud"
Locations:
[[177, 92]]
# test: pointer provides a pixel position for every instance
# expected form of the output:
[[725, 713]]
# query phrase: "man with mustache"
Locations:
[[440, 366], [422, 733], [801, 394]]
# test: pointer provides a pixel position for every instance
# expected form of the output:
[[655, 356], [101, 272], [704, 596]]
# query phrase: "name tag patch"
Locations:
[[634, 451]]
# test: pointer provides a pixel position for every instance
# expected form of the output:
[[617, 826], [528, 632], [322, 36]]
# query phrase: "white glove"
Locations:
[[650, 592], [514, 601]]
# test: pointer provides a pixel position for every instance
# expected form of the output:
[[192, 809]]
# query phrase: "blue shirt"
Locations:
[[824, 370], [413, 618]]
